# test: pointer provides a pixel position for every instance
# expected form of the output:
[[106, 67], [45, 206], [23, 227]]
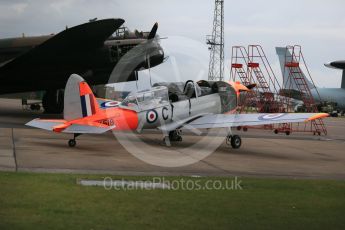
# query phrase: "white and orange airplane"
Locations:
[[169, 107]]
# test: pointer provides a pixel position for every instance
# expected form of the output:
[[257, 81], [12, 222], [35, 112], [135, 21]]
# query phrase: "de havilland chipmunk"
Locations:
[[92, 50], [169, 107]]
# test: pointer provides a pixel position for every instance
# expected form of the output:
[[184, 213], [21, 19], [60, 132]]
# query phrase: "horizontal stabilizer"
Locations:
[[81, 128], [45, 124], [65, 127]]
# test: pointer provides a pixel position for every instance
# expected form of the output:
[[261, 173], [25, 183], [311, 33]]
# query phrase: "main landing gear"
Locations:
[[174, 136], [234, 140], [53, 101], [72, 142]]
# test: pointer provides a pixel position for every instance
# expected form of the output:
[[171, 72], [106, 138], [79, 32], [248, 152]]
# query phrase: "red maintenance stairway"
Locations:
[[238, 71], [251, 66], [297, 82], [268, 87]]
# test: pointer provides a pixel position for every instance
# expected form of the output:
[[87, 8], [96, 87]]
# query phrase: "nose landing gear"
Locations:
[[234, 140]]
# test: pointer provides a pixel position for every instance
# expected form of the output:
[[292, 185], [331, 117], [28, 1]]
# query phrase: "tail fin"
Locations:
[[288, 83], [79, 100]]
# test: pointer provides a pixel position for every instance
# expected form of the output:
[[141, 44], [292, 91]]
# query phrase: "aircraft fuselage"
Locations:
[[45, 62], [336, 95]]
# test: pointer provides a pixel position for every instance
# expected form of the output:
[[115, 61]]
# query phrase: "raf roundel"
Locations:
[[151, 116], [271, 116], [110, 104]]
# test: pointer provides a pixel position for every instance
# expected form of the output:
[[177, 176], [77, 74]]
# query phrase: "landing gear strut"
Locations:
[[72, 142], [174, 136], [234, 140], [53, 101]]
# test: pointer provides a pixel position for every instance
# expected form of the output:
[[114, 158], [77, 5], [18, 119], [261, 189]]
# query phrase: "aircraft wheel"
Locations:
[[175, 136], [236, 142], [287, 133], [276, 131], [245, 129], [35, 107], [72, 143]]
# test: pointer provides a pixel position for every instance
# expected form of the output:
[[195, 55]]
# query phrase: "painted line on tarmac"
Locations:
[[14, 150]]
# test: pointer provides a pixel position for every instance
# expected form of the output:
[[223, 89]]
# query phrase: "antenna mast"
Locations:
[[216, 44]]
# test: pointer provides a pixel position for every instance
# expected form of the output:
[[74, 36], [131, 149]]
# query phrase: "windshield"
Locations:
[[130, 101], [148, 99]]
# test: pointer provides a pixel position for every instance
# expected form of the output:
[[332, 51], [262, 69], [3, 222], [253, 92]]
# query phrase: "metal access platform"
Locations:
[[251, 66], [297, 73]]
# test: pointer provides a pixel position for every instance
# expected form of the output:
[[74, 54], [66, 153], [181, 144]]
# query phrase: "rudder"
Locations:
[[79, 100]]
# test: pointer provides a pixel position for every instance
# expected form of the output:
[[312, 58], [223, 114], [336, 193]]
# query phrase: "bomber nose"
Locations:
[[329, 65], [160, 52], [156, 54]]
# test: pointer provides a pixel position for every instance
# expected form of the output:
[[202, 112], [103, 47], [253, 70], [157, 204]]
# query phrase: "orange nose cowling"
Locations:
[[239, 87]]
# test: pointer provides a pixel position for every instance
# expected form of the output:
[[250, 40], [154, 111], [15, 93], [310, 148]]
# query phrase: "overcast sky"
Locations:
[[319, 26]]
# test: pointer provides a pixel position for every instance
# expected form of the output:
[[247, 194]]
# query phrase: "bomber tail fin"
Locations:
[[343, 80], [79, 100], [289, 83]]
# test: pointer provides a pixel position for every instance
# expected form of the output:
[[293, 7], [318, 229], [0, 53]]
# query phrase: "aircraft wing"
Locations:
[[79, 38], [235, 120]]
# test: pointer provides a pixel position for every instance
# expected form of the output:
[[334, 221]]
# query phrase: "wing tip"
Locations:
[[317, 116], [29, 123]]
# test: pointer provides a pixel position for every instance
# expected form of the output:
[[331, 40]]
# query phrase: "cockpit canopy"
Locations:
[[147, 99], [180, 91], [165, 93]]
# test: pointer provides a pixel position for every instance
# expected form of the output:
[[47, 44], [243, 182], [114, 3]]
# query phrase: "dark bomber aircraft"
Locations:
[[44, 63]]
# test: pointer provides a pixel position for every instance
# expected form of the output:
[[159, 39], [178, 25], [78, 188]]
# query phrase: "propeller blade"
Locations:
[[153, 32], [251, 86], [165, 59]]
